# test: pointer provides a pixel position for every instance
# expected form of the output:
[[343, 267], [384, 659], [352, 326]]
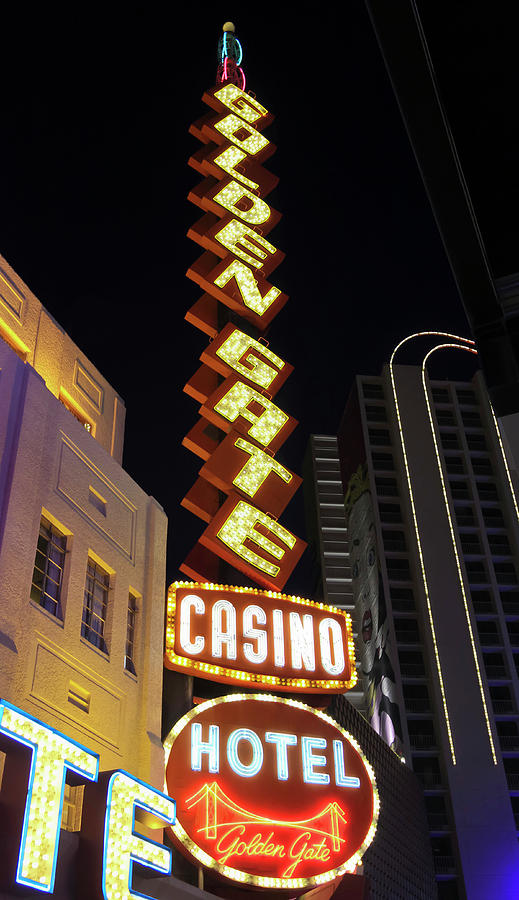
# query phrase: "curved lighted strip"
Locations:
[[453, 538], [415, 520], [238, 874], [505, 461]]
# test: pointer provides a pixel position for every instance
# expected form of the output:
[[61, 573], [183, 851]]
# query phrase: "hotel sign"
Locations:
[[270, 793], [243, 635]]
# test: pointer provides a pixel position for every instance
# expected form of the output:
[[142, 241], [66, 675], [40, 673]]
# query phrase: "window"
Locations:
[[466, 397], [464, 515], [379, 437], [498, 544], [440, 395], [48, 568], [476, 441], [376, 413], [95, 605], [372, 391], [470, 542], [129, 657], [471, 418], [487, 490], [460, 490], [390, 512], [488, 632], [386, 487], [449, 440], [505, 573], [454, 465], [382, 461], [493, 517], [398, 569], [394, 540], [445, 417], [476, 572], [481, 465]]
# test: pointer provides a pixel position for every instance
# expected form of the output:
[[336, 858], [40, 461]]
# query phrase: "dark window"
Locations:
[[470, 542], [440, 395], [466, 397], [394, 540], [499, 544], [47, 576], [493, 517], [95, 605], [471, 418], [445, 417], [494, 665], [513, 633], [459, 490], [129, 657], [510, 602], [505, 573], [481, 465], [372, 391], [386, 487], [398, 569], [482, 601], [382, 460], [402, 599], [476, 572], [376, 414], [449, 440], [488, 631], [454, 465], [379, 437], [390, 512], [476, 441], [464, 516], [487, 490]]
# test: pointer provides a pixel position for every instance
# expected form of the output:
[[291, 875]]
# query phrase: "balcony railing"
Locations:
[[422, 741], [418, 705], [444, 865], [509, 741], [430, 779], [407, 637], [502, 707], [437, 822], [513, 780], [412, 670]]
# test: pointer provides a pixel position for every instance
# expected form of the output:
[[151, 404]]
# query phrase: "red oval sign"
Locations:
[[269, 791]]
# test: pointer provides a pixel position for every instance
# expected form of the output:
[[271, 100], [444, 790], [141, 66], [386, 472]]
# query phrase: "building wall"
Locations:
[[38, 339], [450, 563], [51, 465]]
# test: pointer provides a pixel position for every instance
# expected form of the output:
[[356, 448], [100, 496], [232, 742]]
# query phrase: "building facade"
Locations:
[[82, 549], [433, 542]]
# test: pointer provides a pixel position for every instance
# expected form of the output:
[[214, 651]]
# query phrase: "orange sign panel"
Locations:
[[242, 635], [269, 792]]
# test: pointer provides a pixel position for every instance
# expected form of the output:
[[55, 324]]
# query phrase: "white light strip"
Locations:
[[453, 537], [505, 461], [415, 521]]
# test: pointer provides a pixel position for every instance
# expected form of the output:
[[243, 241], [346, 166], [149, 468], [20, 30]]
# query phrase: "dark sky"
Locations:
[[96, 105]]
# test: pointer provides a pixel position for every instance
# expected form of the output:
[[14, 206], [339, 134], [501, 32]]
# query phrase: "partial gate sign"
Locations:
[[269, 792], [241, 635]]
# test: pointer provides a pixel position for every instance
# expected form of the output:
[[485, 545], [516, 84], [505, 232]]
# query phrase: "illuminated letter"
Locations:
[[325, 627], [246, 106], [234, 349], [211, 747], [258, 634], [302, 641], [258, 211], [279, 637], [52, 754], [248, 287], [241, 526], [244, 734], [122, 847], [312, 759], [189, 602], [342, 780], [229, 159], [232, 125], [220, 636], [282, 741], [257, 468], [266, 425], [235, 233]]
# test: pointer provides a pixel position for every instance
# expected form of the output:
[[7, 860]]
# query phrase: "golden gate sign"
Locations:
[[241, 427]]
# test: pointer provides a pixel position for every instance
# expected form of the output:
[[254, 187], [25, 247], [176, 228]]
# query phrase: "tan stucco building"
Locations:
[[82, 548]]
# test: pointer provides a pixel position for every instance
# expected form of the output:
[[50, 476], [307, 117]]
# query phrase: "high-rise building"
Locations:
[[82, 548], [433, 541]]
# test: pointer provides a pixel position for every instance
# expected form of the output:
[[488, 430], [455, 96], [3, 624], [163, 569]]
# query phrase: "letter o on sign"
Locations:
[[269, 792]]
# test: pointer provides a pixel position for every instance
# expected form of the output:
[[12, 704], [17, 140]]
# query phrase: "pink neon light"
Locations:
[[243, 76], [225, 68]]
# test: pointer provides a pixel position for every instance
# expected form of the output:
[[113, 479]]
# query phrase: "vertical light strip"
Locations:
[[453, 537], [505, 461], [415, 522]]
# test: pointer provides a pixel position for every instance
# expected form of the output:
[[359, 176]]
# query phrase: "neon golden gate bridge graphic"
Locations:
[[222, 812]]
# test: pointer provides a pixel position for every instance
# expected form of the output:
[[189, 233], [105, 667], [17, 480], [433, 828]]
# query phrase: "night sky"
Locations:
[[95, 110]]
